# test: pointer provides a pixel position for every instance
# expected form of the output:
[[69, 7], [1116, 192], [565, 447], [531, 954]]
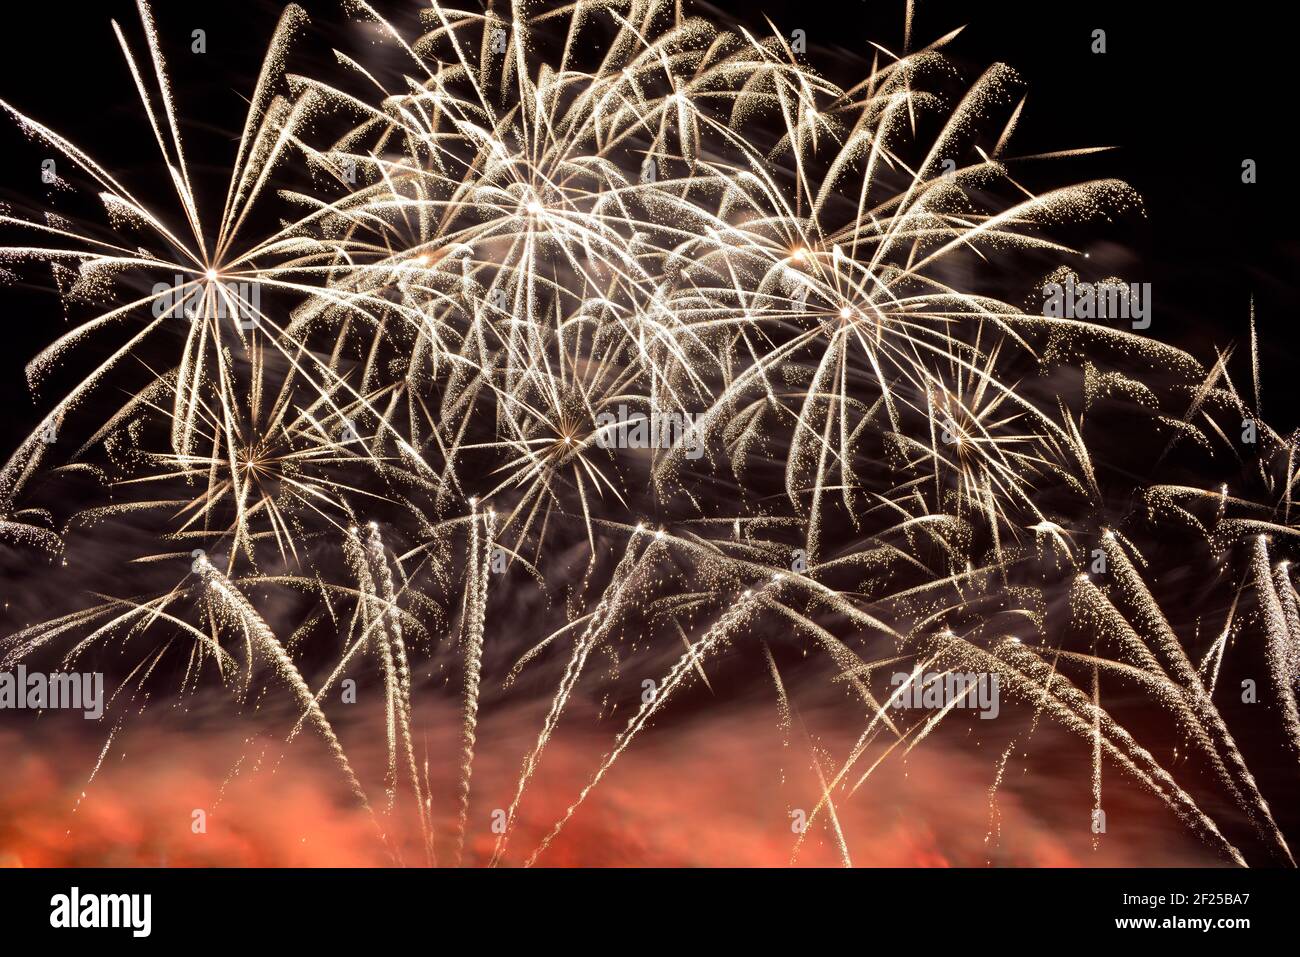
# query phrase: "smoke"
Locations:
[[717, 792]]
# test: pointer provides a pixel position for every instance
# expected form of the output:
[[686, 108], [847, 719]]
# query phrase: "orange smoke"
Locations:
[[719, 792]]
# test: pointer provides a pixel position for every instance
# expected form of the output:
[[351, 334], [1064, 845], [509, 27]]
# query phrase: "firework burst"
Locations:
[[391, 419]]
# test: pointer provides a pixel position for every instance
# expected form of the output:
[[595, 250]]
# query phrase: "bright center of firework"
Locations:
[[211, 275], [846, 313]]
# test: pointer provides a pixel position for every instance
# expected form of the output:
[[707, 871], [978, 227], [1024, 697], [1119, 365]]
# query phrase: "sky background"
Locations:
[[1184, 99]]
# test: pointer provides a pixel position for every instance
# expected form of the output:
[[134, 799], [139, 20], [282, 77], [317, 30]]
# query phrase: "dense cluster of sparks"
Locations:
[[612, 202]]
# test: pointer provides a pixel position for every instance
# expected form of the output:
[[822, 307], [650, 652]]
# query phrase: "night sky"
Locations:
[[1183, 96]]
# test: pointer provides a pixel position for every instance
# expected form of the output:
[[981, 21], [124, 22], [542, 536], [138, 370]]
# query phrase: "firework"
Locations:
[[368, 433]]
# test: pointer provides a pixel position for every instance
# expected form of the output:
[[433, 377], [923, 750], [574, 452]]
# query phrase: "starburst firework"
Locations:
[[400, 436]]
